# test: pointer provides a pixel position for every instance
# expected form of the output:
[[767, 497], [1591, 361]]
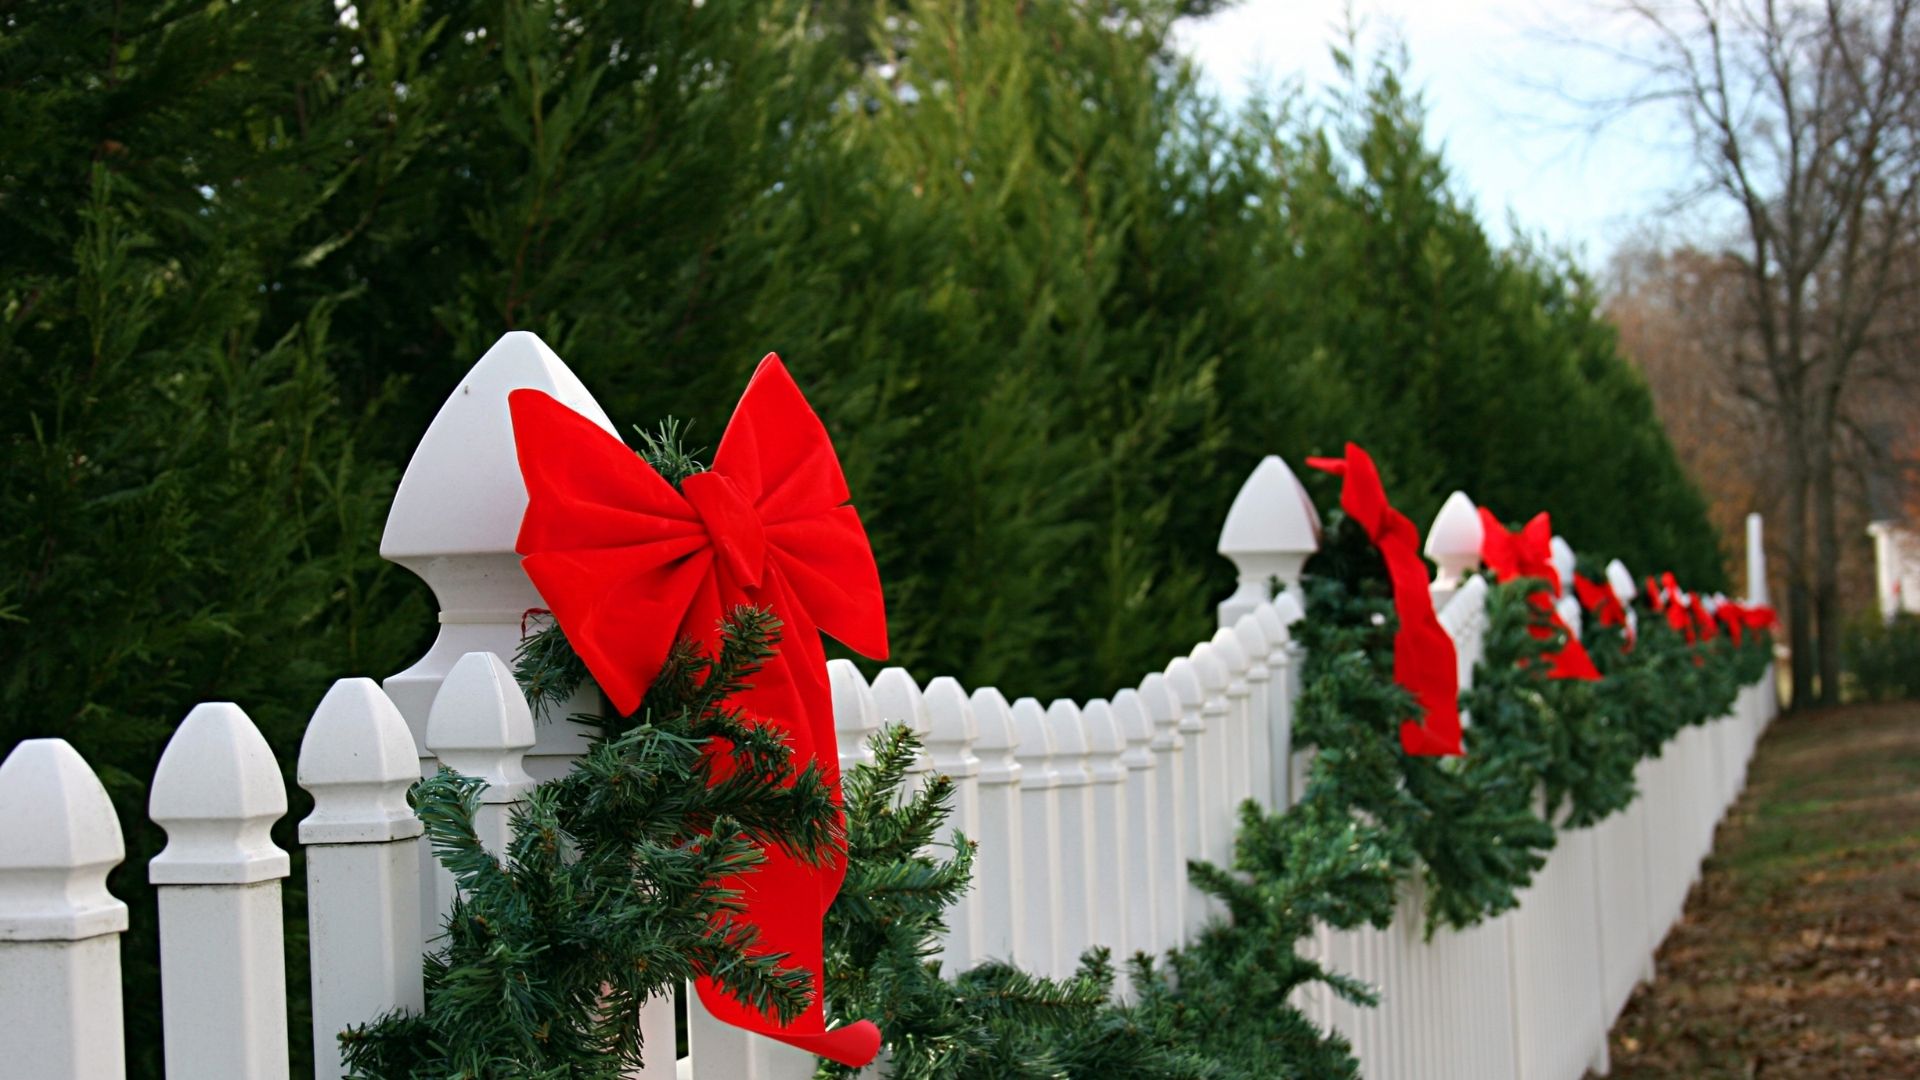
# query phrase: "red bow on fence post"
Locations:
[[1424, 661], [629, 565], [1529, 553], [1599, 599], [1675, 609]]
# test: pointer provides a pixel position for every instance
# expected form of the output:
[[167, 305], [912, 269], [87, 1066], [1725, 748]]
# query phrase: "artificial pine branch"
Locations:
[[615, 886]]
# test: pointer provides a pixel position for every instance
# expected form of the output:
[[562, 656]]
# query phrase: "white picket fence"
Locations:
[[1085, 814]]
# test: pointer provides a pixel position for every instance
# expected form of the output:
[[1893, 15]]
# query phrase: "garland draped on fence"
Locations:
[[1541, 754]]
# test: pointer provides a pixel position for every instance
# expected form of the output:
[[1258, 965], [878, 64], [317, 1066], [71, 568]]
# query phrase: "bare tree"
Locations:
[[1805, 124]]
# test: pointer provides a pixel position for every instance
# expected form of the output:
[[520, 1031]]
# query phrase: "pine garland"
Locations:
[[609, 894], [611, 891]]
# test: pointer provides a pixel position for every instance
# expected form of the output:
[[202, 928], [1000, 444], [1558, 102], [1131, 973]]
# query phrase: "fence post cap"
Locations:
[[1273, 625], [1621, 579], [1136, 727], [1270, 531], [994, 718], [856, 717], [1454, 539], [1238, 661], [1271, 514], [1105, 744], [1563, 561], [897, 700], [1066, 725], [58, 839], [1183, 682], [1035, 748], [461, 493], [357, 760], [1211, 667], [217, 792], [951, 727], [1163, 708], [481, 726], [1256, 644], [1290, 610], [995, 737]]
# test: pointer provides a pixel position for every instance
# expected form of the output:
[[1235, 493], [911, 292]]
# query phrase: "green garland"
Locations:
[[607, 894], [609, 890]]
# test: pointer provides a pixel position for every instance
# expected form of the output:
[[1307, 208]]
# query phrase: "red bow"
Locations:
[[1529, 553], [1733, 616], [1600, 599], [629, 565], [1423, 657], [1705, 618], [1675, 608]]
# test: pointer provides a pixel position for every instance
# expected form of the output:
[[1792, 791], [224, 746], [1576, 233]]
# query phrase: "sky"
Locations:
[[1504, 83]]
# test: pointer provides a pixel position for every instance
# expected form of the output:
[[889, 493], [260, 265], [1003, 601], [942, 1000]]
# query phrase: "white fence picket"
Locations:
[[59, 926], [1108, 843], [1000, 865], [951, 738], [1171, 812], [223, 978], [1143, 828], [1042, 891], [357, 759]]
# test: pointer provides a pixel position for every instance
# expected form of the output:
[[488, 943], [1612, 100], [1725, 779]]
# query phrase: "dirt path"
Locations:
[[1799, 954]]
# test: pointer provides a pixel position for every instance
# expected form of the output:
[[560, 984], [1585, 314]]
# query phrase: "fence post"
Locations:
[[480, 727], [1270, 530], [363, 864], [1170, 810], [1620, 580], [1453, 543], [223, 978], [1756, 560], [951, 739], [1141, 797], [1260, 710], [1041, 893], [59, 926], [999, 869], [454, 519]]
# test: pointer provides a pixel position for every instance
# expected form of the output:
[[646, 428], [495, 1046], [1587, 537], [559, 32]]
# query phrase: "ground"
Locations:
[[1799, 954]]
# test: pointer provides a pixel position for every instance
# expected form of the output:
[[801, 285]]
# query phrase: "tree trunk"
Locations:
[[1826, 575], [1799, 591]]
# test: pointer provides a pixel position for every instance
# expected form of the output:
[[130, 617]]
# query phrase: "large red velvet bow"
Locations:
[[1529, 553], [1424, 661], [1599, 598], [629, 565]]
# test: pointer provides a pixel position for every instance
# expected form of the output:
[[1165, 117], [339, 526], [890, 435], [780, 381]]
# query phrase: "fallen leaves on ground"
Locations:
[[1799, 953]]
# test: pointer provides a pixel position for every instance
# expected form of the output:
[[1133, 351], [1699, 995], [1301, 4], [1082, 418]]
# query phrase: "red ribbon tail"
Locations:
[[854, 1045]]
